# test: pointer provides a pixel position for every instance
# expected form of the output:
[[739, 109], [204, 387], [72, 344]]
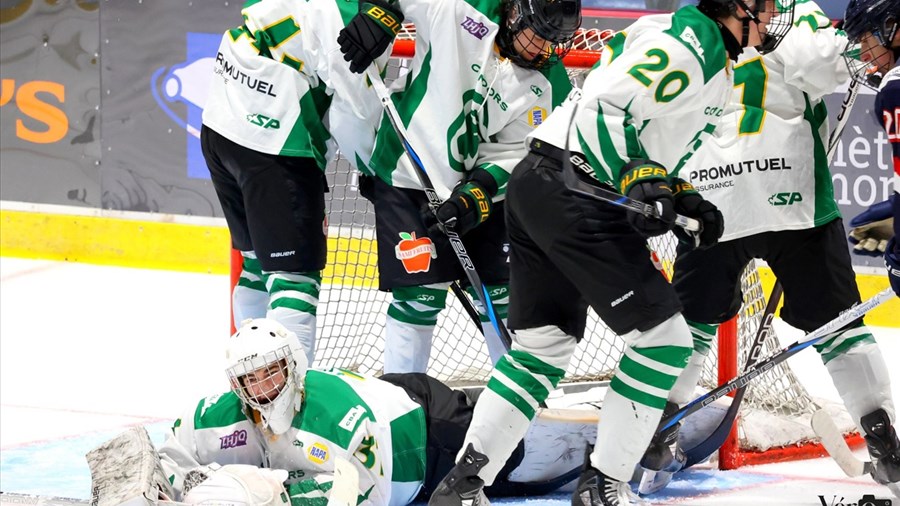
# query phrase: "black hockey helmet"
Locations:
[[879, 18], [776, 29], [554, 21]]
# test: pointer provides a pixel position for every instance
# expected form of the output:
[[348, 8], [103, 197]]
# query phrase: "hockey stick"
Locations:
[[653, 481], [345, 489], [836, 446], [771, 361], [434, 201], [714, 441], [576, 185], [846, 107], [833, 441]]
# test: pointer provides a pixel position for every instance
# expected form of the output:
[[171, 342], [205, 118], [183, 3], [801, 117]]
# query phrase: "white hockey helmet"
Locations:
[[266, 369]]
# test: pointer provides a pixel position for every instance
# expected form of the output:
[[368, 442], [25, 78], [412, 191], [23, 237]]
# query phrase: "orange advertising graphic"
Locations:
[[415, 253], [35, 100]]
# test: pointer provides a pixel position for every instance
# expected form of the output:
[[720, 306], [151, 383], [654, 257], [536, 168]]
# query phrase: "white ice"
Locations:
[[87, 350]]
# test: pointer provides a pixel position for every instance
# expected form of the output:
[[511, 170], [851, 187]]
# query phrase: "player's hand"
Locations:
[[871, 229], [647, 182], [892, 262], [470, 203], [690, 203], [369, 33]]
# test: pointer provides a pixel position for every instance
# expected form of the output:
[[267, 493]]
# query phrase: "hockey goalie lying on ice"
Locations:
[[285, 434]]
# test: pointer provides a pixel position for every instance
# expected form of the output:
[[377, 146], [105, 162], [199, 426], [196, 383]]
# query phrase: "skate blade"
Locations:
[[654, 481]]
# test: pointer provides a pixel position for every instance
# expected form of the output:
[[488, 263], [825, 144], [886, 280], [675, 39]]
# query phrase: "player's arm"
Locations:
[[812, 53], [178, 453]]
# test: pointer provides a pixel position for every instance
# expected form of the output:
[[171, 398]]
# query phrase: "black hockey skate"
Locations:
[[462, 486], [884, 447], [597, 489], [663, 458]]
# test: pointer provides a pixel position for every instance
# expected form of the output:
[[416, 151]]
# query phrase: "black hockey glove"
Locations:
[[647, 182], [892, 262], [369, 33], [469, 205], [690, 203]]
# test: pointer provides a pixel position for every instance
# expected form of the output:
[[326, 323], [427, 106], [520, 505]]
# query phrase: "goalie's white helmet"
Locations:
[[266, 369]]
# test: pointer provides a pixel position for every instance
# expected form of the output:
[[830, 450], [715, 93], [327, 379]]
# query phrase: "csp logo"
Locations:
[[785, 198], [185, 83]]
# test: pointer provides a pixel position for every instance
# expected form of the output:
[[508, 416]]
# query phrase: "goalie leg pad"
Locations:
[[127, 470]]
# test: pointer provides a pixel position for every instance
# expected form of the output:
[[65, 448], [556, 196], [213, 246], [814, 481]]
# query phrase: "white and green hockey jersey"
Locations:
[[765, 167], [464, 106], [373, 424], [281, 73], [657, 93]]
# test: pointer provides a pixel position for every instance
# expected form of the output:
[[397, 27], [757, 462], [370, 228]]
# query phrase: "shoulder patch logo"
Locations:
[[349, 421], [318, 453], [476, 28], [689, 37], [536, 116]]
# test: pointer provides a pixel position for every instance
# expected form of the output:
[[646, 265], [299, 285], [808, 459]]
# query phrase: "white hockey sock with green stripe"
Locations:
[[293, 298], [499, 295], [637, 395], [703, 334], [521, 380], [409, 326], [249, 297], [860, 375]]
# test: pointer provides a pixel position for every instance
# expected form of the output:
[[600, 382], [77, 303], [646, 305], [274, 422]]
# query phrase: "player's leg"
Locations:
[[249, 297], [284, 204], [610, 264], [707, 282], [488, 246], [416, 269], [815, 269], [541, 349]]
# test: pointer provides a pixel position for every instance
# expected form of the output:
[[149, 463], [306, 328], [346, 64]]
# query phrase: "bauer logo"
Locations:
[[318, 453], [233, 440], [180, 90], [476, 28], [536, 116]]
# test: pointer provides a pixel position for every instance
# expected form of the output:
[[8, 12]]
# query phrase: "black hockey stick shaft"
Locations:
[[771, 361], [576, 185], [843, 115], [434, 202], [467, 305], [699, 452]]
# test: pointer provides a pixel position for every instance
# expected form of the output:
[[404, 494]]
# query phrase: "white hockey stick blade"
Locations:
[[346, 484], [834, 443]]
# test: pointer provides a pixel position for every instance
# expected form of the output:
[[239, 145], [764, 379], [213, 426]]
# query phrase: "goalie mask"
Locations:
[[538, 33], [871, 27], [773, 19], [266, 369]]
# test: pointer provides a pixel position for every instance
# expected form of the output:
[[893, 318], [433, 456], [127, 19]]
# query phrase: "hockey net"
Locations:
[[774, 419]]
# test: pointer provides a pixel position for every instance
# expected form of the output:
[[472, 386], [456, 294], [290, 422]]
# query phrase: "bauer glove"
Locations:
[[892, 262], [469, 205], [871, 229], [647, 181], [369, 33], [690, 203]]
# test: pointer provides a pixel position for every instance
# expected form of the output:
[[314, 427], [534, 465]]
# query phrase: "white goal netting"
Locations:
[[352, 316]]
